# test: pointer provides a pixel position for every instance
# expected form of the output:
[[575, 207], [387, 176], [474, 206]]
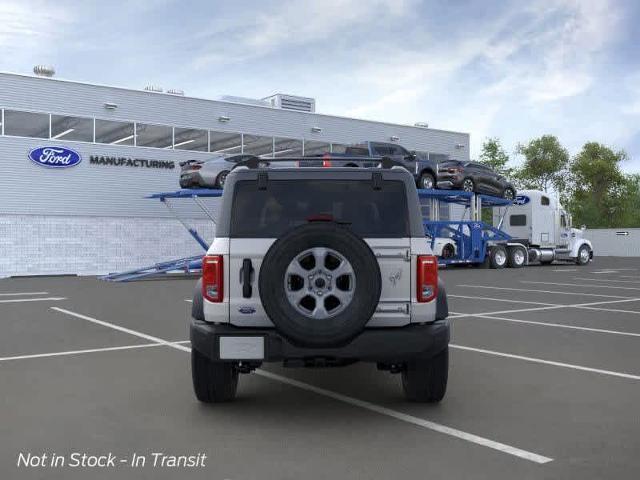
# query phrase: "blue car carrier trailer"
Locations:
[[469, 240]]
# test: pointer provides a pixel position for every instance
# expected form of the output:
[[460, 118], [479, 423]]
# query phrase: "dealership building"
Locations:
[[77, 161]]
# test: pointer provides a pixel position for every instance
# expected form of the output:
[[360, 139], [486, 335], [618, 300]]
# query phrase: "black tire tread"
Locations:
[[213, 382], [425, 380]]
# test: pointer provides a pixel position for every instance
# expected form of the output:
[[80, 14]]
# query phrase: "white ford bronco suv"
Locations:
[[319, 267]]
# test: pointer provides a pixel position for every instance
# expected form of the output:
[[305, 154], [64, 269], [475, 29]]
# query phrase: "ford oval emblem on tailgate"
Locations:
[[55, 157], [247, 310]]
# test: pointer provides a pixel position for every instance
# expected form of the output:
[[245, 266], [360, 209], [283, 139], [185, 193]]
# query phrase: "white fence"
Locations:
[[615, 242]]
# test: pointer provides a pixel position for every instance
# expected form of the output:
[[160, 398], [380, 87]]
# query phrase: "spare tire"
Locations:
[[320, 284]]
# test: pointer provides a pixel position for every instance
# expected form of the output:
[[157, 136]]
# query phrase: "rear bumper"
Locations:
[[372, 345], [190, 179]]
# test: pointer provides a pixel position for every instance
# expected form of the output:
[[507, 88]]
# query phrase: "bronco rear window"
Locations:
[[286, 204]]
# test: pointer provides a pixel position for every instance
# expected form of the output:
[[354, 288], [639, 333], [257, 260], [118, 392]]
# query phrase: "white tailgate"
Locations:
[[394, 258], [247, 312]]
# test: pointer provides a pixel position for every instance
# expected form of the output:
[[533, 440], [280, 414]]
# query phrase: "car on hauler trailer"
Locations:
[[319, 267]]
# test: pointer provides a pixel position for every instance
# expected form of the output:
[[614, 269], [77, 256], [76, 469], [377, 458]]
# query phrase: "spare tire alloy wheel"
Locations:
[[320, 284]]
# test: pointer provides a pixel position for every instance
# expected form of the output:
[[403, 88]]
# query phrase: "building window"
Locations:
[[114, 133], [287, 147], [312, 147], [518, 220], [338, 148], [225, 143], [26, 124], [71, 128], [257, 145], [190, 139], [157, 136]]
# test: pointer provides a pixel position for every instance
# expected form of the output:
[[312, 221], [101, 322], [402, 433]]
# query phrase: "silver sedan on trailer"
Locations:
[[208, 173]]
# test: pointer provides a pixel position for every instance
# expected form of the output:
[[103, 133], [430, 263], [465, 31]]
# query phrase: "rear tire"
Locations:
[[509, 194], [427, 181], [213, 382], [517, 257], [498, 257], [221, 179], [426, 380], [468, 185]]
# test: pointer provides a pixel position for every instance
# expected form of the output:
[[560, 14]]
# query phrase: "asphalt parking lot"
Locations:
[[544, 383]]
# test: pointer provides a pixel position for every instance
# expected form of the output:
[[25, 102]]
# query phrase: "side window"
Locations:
[[397, 150], [563, 220], [380, 149], [544, 201], [518, 220]]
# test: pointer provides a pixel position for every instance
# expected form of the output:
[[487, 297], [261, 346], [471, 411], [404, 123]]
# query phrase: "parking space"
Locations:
[[544, 383]]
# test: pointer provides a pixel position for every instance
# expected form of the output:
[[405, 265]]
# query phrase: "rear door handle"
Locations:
[[247, 271]]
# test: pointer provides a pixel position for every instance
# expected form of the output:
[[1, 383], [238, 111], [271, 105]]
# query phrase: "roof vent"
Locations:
[[175, 91], [292, 102], [244, 100], [153, 88], [44, 71]]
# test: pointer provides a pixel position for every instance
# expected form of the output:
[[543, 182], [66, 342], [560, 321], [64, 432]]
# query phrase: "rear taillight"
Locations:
[[427, 278], [326, 161], [213, 278]]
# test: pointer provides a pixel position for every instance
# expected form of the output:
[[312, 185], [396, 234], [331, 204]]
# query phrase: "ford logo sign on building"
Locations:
[[55, 157]]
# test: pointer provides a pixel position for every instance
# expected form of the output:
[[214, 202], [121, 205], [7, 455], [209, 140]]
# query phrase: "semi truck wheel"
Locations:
[[584, 255], [517, 257], [498, 257]]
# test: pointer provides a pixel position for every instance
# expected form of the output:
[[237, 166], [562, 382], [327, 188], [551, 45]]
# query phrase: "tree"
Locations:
[[494, 156], [545, 164], [601, 194]]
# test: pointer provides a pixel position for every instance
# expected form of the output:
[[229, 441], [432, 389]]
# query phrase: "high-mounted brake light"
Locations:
[[427, 278], [213, 278]]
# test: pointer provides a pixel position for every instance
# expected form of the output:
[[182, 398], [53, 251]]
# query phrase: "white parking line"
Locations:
[[554, 307], [605, 280], [546, 324], [7, 294], [547, 362], [188, 300], [469, 437], [564, 270], [542, 291], [502, 300], [90, 350], [121, 329], [581, 285], [21, 300], [617, 310]]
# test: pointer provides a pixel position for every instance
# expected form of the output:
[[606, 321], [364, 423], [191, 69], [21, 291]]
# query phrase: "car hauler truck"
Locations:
[[538, 222]]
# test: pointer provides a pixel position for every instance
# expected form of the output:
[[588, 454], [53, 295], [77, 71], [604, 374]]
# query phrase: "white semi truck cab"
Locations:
[[537, 221]]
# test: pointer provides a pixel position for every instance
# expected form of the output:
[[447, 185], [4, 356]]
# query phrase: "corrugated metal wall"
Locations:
[[615, 242], [94, 218]]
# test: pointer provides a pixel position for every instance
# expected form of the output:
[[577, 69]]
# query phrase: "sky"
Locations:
[[508, 69]]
